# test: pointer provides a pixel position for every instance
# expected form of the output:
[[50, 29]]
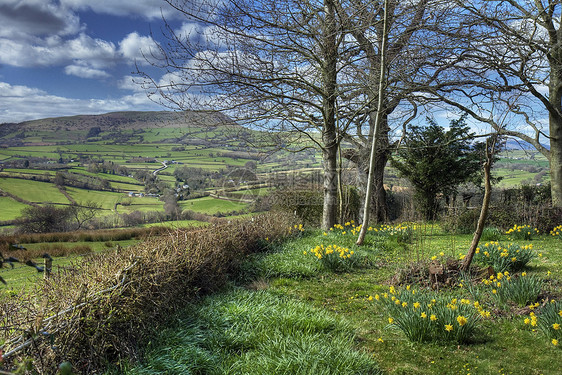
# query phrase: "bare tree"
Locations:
[[418, 40], [378, 118], [511, 58], [268, 64], [83, 212], [492, 144]]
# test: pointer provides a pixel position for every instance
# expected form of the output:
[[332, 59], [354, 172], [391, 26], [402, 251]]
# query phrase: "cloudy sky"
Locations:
[[66, 57]]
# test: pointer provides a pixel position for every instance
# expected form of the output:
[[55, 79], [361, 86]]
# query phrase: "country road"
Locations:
[[164, 166]]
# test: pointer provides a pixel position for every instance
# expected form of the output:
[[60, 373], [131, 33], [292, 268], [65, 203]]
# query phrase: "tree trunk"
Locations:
[[490, 148], [377, 125], [360, 158], [555, 128], [379, 211], [329, 134], [329, 211]]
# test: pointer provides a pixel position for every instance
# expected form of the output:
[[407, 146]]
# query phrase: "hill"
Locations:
[[62, 130], [132, 162]]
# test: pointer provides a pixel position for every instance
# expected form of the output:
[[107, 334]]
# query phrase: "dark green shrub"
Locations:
[[491, 234]]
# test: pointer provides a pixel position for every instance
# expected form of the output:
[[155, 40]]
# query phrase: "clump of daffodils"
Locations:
[[428, 316], [348, 227], [297, 228], [522, 232], [557, 232], [511, 257], [334, 257], [548, 321], [403, 232], [520, 289]]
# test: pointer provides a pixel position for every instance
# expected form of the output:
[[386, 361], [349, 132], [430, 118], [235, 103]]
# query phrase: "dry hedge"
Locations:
[[101, 309]]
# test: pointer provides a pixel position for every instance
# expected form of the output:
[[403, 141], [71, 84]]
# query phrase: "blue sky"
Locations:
[[67, 57]]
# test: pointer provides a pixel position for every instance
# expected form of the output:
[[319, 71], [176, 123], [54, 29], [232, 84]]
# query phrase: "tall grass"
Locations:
[[244, 332]]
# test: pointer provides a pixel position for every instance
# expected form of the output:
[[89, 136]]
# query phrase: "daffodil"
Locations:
[[461, 320]]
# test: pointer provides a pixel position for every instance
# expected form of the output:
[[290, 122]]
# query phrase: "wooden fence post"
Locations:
[[48, 265]]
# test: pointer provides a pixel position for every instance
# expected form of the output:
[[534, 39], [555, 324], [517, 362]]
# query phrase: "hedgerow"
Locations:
[[102, 308]]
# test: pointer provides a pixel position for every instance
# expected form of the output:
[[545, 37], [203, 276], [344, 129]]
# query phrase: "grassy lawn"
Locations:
[[236, 331], [178, 224]]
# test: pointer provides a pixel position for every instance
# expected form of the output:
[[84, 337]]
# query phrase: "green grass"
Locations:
[[106, 199], [10, 209], [210, 206], [143, 204], [23, 277], [33, 191], [501, 344], [512, 178], [243, 332]]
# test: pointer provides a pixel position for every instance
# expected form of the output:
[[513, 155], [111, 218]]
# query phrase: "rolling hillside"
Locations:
[[127, 161]]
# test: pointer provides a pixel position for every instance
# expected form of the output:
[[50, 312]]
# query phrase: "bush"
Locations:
[[503, 258], [306, 205], [463, 222]]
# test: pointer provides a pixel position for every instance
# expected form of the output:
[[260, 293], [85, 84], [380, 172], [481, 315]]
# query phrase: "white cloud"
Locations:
[[85, 72], [21, 103], [131, 83], [150, 9], [48, 33], [138, 48], [56, 51]]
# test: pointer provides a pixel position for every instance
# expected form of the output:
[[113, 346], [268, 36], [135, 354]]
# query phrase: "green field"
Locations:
[[515, 178], [210, 206], [33, 191], [177, 224], [106, 199], [10, 208]]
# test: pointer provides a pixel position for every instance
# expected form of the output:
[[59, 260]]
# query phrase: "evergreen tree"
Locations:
[[437, 161]]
